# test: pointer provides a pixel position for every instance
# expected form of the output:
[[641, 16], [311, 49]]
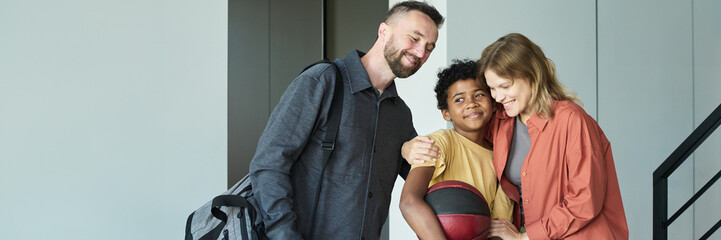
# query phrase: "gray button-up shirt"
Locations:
[[361, 171]]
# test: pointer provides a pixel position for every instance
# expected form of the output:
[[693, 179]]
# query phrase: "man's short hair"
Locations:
[[407, 6], [459, 70]]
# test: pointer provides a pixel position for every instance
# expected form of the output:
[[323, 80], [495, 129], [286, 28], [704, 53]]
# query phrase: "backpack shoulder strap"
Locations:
[[334, 115]]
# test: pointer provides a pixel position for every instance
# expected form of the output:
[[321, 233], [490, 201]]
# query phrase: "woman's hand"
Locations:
[[419, 150], [504, 229]]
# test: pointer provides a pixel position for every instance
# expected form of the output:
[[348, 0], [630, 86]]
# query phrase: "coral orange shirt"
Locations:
[[569, 183]]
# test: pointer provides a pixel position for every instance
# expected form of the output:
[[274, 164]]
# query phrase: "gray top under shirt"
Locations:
[[361, 170], [520, 145]]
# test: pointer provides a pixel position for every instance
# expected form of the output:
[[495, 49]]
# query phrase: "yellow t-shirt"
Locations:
[[463, 160]]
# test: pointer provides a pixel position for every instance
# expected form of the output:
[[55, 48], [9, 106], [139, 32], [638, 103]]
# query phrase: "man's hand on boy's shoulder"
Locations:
[[419, 150]]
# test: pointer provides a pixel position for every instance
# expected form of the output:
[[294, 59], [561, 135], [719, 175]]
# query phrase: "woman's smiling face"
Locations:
[[514, 95]]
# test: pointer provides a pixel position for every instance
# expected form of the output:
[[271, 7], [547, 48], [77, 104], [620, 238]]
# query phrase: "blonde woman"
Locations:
[[550, 156]]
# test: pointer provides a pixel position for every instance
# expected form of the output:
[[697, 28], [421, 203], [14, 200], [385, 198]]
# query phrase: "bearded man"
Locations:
[[375, 122]]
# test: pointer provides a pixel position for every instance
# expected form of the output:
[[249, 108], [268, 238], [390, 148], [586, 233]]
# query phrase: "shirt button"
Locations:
[[523, 174], [370, 194], [525, 201]]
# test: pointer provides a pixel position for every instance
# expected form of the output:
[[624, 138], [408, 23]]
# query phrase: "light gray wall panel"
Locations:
[[565, 30], [112, 116], [707, 89], [646, 100]]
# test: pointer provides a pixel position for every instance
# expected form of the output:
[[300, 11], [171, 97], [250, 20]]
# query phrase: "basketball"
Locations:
[[461, 209]]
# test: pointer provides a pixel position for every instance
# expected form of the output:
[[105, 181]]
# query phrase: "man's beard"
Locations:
[[394, 62]]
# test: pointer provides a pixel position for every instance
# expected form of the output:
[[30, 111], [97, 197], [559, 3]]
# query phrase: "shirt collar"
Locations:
[[537, 122], [358, 76]]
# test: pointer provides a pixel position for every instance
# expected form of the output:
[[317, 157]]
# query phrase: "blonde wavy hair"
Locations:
[[515, 57]]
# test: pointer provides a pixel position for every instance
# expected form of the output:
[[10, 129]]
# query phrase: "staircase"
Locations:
[[661, 221]]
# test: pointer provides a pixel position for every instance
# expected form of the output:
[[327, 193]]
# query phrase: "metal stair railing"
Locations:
[[661, 174]]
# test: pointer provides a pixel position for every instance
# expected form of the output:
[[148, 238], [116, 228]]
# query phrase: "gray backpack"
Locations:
[[235, 214]]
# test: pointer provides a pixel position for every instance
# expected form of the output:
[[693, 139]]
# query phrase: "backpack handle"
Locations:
[[227, 201]]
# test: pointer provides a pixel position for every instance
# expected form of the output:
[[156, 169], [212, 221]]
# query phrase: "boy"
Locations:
[[465, 154]]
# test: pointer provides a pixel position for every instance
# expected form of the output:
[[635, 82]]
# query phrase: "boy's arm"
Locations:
[[419, 216]]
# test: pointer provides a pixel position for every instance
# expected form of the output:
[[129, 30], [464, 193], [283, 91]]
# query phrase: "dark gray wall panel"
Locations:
[[248, 86], [353, 25], [295, 41], [269, 43]]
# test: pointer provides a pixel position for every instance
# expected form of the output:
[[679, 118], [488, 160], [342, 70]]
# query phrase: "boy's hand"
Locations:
[[419, 150]]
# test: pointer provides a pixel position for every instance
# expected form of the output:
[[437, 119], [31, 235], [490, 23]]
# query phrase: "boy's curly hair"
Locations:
[[459, 70]]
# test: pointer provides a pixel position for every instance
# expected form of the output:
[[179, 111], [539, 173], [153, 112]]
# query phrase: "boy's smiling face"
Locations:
[[469, 107]]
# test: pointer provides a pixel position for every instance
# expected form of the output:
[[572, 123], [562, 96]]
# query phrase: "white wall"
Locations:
[[112, 116]]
